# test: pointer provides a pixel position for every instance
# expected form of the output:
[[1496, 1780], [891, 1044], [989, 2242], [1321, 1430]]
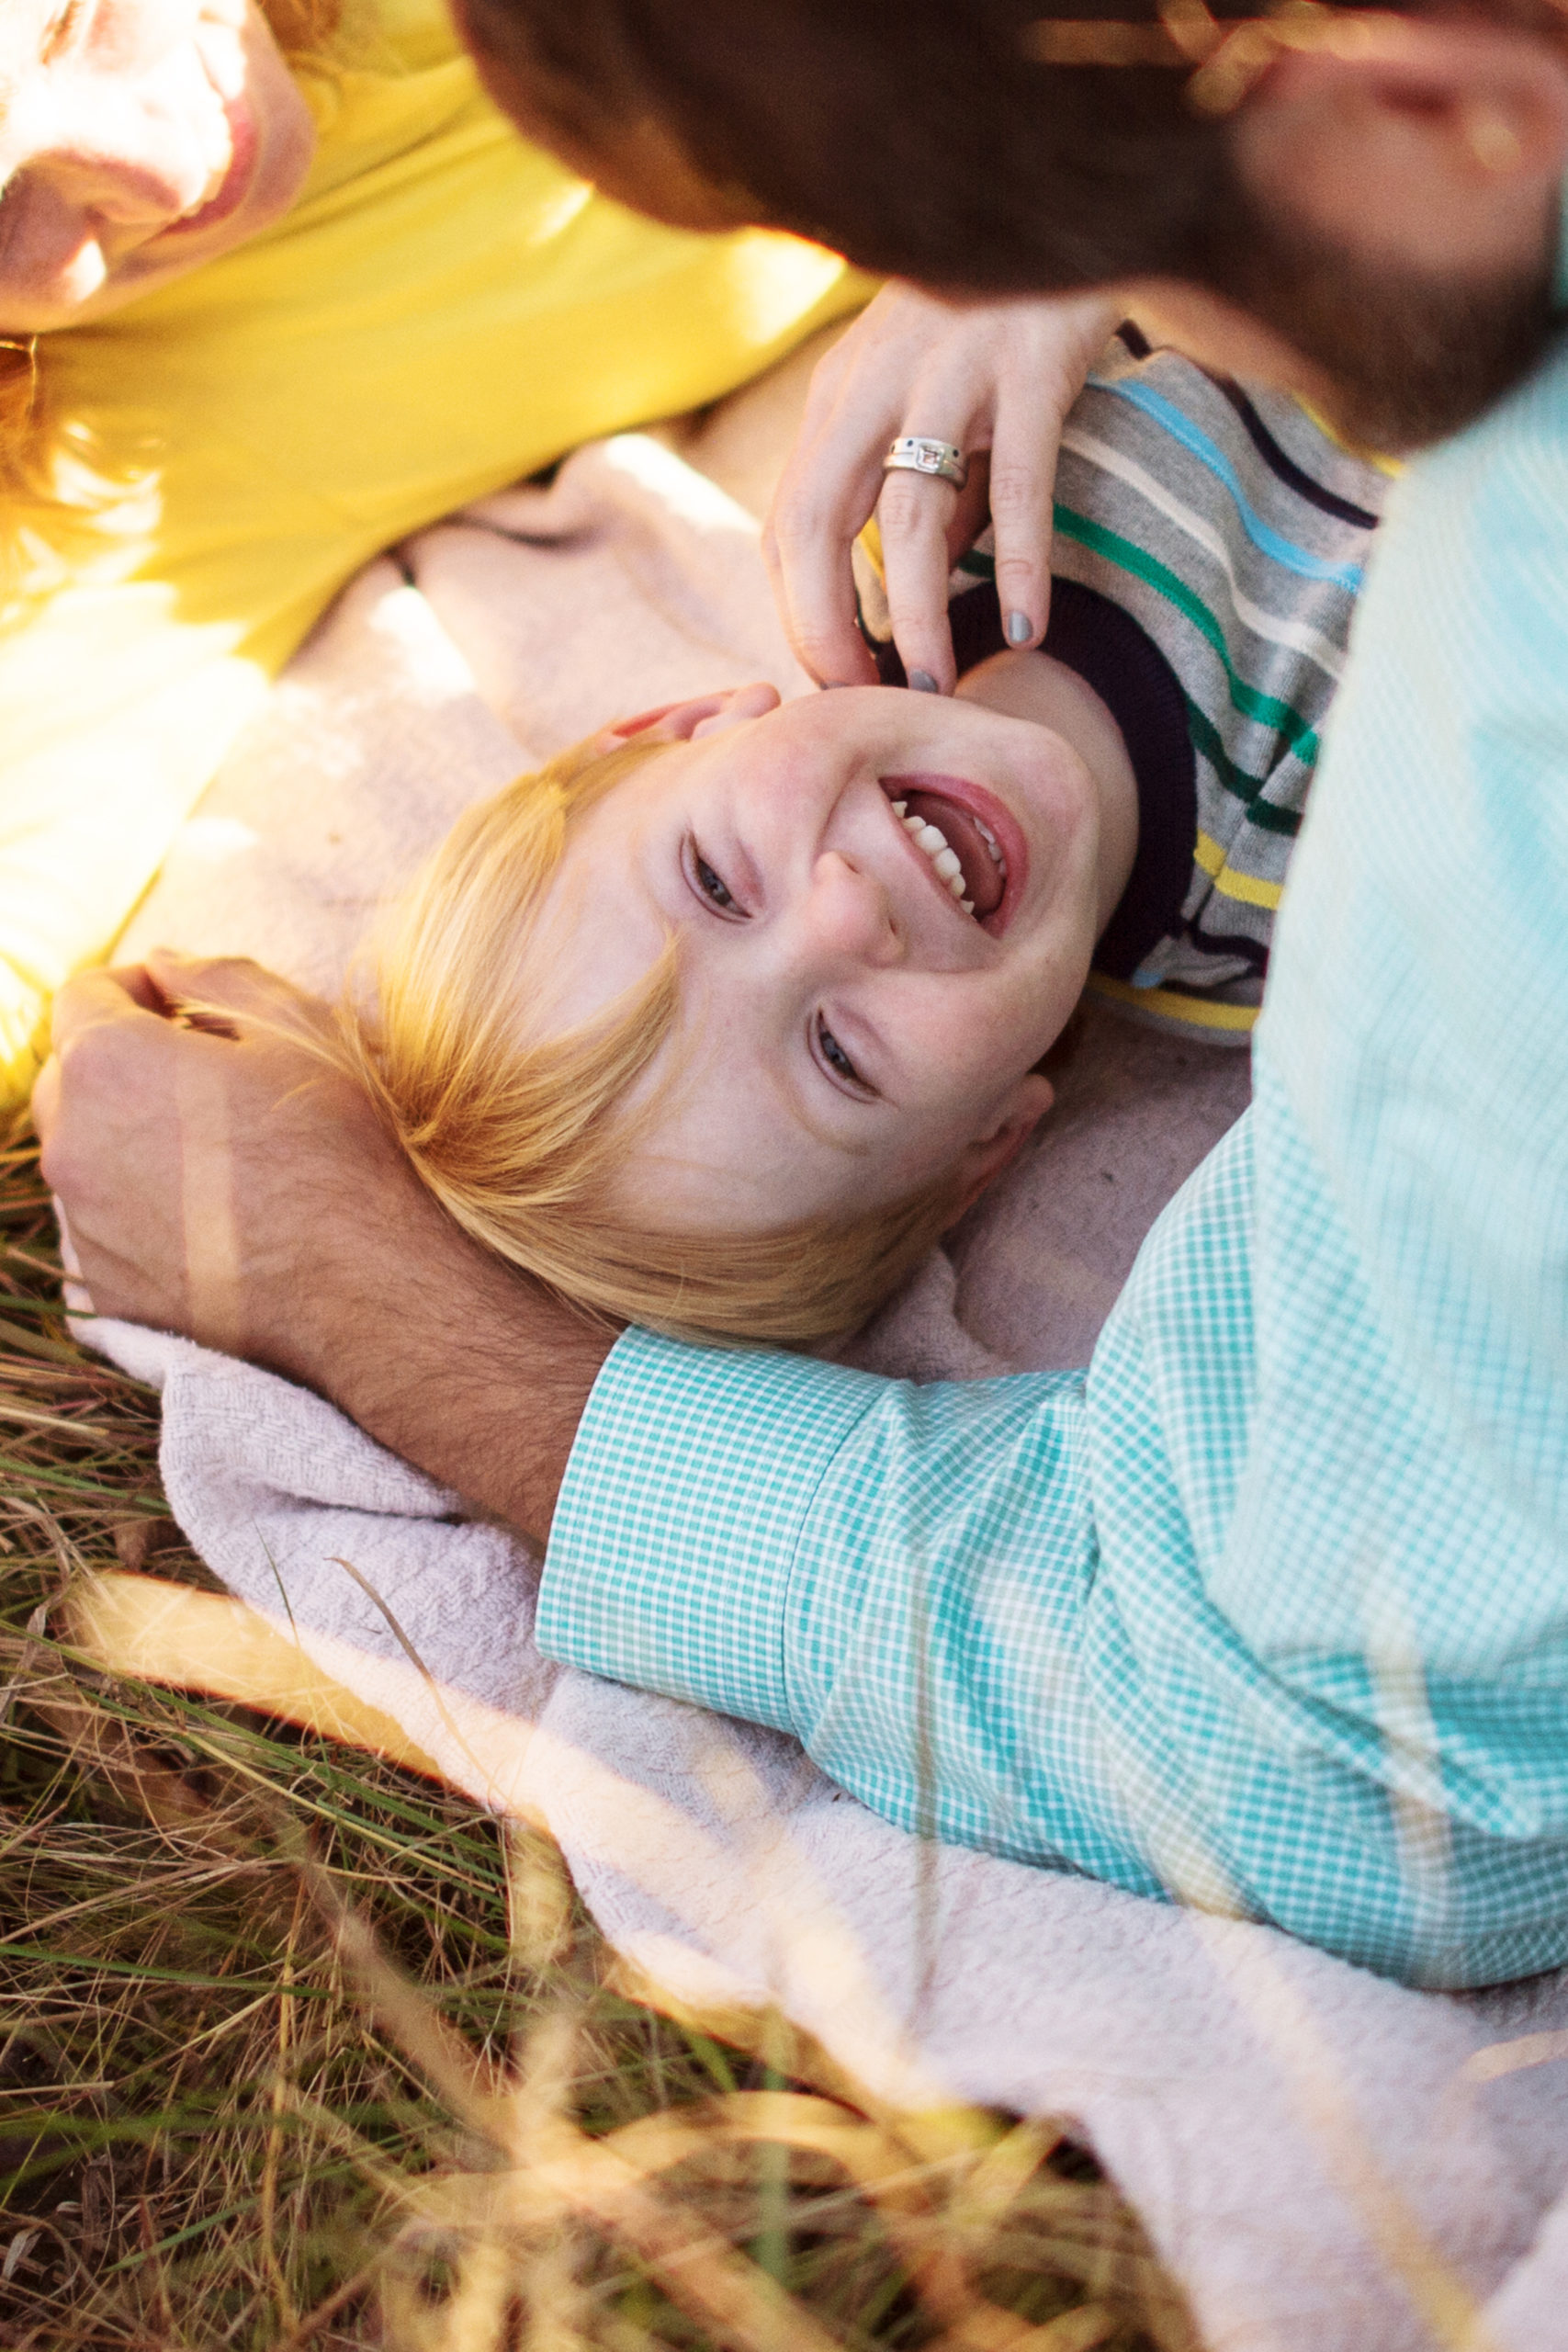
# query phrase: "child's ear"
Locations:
[[984, 1159], [681, 722]]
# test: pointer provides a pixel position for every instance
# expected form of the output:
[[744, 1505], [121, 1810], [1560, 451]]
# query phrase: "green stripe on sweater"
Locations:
[[1264, 814], [1249, 700]]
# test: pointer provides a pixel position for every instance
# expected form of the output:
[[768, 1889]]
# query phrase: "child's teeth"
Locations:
[[945, 861], [991, 844]]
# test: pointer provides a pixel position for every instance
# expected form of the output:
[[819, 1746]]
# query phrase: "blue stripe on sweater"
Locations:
[[1181, 428]]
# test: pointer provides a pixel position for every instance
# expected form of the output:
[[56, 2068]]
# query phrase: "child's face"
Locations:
[[848, 1035]]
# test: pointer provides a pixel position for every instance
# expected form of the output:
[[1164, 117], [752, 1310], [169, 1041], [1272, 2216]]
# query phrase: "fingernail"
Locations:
[[831, 686], [923, 682], [1021, 629]]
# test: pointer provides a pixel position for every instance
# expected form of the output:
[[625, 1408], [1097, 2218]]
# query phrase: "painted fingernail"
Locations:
[[923, 682], [1021, 629]]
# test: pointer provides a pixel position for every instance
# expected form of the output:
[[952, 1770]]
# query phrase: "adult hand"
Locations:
[[997, 377], [222, 1179]]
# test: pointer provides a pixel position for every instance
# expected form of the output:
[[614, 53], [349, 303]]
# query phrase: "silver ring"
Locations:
[[916, 453]]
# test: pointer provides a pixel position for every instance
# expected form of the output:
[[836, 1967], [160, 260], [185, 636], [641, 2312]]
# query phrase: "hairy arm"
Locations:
[[223, 1181]]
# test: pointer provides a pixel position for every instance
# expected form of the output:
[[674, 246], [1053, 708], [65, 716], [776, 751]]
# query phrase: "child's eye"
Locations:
[[713, 886], [833, 1054]]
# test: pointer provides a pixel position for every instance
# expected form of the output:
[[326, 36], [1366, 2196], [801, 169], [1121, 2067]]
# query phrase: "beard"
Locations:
[[1414, 358]]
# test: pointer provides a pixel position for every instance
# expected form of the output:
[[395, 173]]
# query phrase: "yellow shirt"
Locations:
[[443, 310]]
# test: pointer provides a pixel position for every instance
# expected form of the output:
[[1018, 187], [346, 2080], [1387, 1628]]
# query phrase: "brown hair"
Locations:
[[938, 140], [519, 1139], [990, 147]]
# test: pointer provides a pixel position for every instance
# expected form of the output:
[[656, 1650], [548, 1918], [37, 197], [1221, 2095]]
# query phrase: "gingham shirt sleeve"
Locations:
[[679, 1525], [895, 1573]]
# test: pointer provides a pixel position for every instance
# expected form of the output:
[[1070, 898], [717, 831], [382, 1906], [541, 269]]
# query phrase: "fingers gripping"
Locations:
[[232, 985], [926, 523], [989, 377], [863, 395], [914, 516], [1023, 474], [150, 1126], [807, 552], [826, 495], [1048, 350]]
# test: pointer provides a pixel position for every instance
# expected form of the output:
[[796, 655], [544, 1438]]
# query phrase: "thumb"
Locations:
[[236, 987]]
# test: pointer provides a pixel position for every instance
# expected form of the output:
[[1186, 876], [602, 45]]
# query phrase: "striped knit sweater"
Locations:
[[1210, 545]]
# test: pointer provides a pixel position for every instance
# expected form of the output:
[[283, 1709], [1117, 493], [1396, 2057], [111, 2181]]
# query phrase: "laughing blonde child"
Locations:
[[716, 1023]]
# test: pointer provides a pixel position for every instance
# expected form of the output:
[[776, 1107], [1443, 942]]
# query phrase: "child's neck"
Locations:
[[1037, 686]]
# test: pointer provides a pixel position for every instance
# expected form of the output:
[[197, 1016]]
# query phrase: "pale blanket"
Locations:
[[1327, 2163]]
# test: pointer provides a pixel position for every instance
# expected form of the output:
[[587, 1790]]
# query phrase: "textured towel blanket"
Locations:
[[1327, 2163]]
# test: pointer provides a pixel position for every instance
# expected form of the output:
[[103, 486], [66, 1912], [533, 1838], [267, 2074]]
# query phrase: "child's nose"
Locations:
[[850, 912]]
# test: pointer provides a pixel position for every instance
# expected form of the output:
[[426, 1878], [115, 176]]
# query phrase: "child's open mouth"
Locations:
[[969, 856]]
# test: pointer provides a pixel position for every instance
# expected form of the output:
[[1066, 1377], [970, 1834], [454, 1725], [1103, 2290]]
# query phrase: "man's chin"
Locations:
[[1417, 389], [1410, 360]]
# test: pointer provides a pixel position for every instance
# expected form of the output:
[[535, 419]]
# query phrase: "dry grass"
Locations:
[[295, 2049]]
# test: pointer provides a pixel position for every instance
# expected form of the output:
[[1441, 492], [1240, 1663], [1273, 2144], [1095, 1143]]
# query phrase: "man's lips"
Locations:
[[953, 803]]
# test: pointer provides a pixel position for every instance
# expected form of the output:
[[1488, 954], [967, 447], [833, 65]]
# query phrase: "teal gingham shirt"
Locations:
[[1269, 1608]]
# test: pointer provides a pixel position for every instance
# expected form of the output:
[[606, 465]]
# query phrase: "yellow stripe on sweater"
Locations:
[[1229, 882], [1171, 1004], [1392, 467]]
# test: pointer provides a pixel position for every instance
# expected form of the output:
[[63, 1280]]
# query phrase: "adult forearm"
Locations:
[[223, 1180], [437, 1349], [472, 1374]]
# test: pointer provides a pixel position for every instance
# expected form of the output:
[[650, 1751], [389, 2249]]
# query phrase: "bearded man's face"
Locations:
[[1404, 359]]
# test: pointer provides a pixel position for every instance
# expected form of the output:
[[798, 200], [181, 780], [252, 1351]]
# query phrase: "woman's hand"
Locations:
[[994, 378]]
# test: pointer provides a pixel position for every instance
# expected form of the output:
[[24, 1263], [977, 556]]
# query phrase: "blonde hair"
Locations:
[[521, 1140], [57, 480]]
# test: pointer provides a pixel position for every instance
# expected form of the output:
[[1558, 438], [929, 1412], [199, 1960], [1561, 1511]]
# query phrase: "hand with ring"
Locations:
[[923, 413], [916, 453]]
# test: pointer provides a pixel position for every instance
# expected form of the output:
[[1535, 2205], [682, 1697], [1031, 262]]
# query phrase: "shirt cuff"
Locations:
[[675, 1537]]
